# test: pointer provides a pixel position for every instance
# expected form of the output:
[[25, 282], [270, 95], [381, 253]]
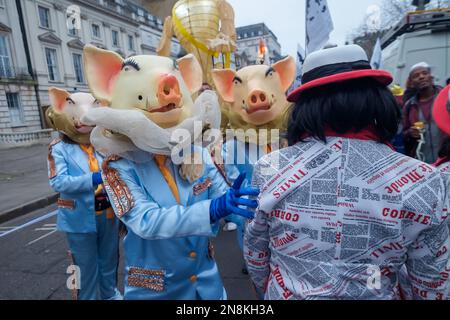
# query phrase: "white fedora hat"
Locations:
[[337, 65]]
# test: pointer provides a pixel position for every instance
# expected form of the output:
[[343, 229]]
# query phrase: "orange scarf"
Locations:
[[92, 160], [161, 163], [95, 167]]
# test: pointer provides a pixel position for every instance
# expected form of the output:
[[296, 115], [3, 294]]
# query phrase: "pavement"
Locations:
[[24, 181], [34, 260]]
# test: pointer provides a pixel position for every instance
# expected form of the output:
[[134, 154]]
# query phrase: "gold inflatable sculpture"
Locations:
[[204, 28]]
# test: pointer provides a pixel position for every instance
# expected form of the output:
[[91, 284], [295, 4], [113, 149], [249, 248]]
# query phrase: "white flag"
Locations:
[[300, 60], [319, 24], [377, 56]]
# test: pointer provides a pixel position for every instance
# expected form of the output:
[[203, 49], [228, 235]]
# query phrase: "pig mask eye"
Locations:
[[237, 81], [70, 101], [130, 65], [270, 72]]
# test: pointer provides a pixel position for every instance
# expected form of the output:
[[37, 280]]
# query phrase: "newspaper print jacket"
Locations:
[[340, 220]]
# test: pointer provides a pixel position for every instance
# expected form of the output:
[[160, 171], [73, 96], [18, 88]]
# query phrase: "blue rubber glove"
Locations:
[[97, 179], [229, 203]]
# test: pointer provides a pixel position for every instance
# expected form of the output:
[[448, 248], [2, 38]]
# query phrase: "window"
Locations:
[[5, 60], [15, 110], [115, 38], [44, 17], [72, 30], [96, 31], [52, 64], [130, 43], [78, 66]]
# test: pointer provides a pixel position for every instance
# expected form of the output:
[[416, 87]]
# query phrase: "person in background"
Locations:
[[410, 92], [398, 141], [85, 213], [417, 115], [441, 115], [399, 94]]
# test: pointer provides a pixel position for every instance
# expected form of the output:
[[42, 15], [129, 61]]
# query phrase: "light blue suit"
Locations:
[[167, 250], [93, 239], [240, 157]]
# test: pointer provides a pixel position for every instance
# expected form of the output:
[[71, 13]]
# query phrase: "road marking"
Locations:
[[5, 229], [44, 217], [45, 229], [40, 238]]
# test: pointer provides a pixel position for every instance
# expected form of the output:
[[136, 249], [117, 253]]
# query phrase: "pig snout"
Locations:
[[258, 100], [169, 91]]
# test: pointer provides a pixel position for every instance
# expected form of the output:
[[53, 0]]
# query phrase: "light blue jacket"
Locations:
[[241, 156], [70, 176], [167, 250]]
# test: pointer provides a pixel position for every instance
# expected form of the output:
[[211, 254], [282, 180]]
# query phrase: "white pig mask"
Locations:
[[149, 97], [67, 110], [256, 94]]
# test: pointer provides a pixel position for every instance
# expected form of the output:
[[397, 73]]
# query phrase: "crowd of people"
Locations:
[[353, 207]]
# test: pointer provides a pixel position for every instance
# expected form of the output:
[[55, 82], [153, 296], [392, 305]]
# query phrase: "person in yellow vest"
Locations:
[[85, 213]]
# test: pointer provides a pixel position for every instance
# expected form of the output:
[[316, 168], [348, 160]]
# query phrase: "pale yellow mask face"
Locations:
[[141, 89], [257, 93], [157, 86], [68, 110]]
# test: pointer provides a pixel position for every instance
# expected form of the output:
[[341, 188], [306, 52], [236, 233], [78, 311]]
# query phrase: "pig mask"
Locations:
[[256, 94], [149, 98], [154, 85], [66, 112]]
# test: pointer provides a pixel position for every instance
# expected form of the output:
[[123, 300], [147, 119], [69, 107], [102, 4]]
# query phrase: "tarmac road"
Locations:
[[34, 260], [23, 178]]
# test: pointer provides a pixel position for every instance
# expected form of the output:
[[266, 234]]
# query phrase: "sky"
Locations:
[[286, 18]]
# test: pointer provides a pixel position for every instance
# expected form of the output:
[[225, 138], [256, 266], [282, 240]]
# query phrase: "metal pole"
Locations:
[[306, 27]]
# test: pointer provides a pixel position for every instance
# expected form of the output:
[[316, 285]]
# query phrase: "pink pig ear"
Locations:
[[58, 99], [287, 70], [191, 72], [223, 79], [102, 68]]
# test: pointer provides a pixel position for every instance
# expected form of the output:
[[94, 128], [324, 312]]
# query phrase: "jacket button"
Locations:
[[194, 279], [193, 255]]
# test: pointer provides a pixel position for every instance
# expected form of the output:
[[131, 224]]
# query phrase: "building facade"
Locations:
[[248, 40], [18, 98], [41, 46]]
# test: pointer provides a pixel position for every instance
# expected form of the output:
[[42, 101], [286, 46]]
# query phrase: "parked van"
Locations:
[[420, 36]]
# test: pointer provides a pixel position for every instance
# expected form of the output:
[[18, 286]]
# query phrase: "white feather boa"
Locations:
[[127, 132]]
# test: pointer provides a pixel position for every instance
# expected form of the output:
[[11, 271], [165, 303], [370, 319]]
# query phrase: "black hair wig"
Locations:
[[444, 151], [346, 107]]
